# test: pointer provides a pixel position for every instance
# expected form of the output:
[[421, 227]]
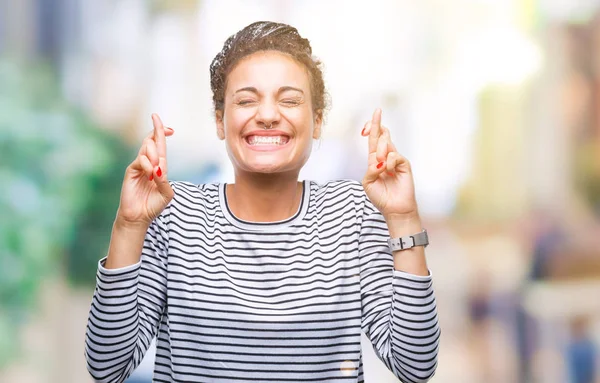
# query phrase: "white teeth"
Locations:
[[267, 140]]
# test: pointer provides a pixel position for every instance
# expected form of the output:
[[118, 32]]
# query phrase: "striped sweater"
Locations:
[[236, 301]]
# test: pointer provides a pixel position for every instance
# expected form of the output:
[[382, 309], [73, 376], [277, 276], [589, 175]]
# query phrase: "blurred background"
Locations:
[[496, 104]]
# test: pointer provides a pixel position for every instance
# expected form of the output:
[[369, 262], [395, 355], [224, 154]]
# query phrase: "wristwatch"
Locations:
[[403, 243]]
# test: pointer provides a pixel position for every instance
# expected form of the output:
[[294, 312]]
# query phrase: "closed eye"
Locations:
[[291, 102], [244, 102]]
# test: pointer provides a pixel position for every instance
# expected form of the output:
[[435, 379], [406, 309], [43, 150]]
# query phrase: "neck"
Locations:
[[264, 197]]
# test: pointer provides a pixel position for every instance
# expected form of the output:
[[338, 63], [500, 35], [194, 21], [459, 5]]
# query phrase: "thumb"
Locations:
[[373, 171], [161, 180]]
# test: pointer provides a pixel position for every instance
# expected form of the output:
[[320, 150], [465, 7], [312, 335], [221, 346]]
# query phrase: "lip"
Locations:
[[266, 133]]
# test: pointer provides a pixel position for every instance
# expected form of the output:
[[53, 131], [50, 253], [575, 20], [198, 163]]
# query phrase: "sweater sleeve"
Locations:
[[126, 309], [399, 314]]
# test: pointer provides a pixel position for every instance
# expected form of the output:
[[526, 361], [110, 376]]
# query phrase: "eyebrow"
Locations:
[[281, 90]]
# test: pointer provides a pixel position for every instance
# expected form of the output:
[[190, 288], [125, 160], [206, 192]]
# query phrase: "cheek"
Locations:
[[302, 120], [235, 120]]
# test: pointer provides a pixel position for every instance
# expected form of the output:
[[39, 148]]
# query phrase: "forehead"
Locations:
[[268, 70]]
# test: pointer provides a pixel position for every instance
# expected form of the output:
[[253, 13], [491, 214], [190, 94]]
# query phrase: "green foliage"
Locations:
[[60, 179]]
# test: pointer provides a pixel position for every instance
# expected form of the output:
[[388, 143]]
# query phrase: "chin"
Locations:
[[269, 164], [265, 163], [265, 168]]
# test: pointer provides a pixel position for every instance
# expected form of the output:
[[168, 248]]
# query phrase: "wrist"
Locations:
[[125, 225], [400, 225], [126, 243]]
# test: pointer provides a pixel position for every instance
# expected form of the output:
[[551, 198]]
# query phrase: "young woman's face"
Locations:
[[268, 89]]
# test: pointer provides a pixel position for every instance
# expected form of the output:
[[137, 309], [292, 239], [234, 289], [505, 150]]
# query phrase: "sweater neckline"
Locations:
[[251, 225]]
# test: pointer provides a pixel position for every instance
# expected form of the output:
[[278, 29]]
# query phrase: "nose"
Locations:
[[267, 113]]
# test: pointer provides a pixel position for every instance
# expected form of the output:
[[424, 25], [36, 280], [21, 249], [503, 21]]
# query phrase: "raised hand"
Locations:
[[146, 190], [389, 180]]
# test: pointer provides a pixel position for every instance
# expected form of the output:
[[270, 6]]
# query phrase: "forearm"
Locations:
[[415, 330], [126, 243], [411, 260], [113, 327], [127, 305], [400, 321]]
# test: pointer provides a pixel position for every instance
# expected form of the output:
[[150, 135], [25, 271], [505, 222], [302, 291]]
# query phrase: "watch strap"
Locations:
[[409, 241]]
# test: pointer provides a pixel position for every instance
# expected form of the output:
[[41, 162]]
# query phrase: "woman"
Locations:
[[266, 279]]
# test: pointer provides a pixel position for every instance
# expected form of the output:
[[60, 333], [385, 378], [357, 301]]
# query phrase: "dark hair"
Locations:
[[266, 36]]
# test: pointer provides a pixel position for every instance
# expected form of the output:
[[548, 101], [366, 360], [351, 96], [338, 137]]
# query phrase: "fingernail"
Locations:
[[379, 165], [159, 172], [151, 177], [363, 131], [390, 174]]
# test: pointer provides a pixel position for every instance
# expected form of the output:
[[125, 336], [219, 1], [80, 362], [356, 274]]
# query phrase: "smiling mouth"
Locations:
[[267, 140]]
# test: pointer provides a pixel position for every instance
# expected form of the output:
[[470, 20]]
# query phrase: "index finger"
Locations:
[[375, 131], [159, 136]]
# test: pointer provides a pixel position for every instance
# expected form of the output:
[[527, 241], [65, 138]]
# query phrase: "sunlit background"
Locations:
[[495, 102]]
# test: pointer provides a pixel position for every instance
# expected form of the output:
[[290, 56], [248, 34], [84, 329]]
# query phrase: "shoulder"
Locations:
[[189, 194], [345, 192], [195, 189], [190, 200], [346, 186], [350, 191]]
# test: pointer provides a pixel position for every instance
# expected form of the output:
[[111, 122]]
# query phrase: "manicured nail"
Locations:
[[362, 133], [158, 172], [379, 165], [151, 177], [390, 174]]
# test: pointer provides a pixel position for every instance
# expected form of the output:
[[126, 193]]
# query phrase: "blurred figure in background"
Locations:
[[546, 234], [582, 352]]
